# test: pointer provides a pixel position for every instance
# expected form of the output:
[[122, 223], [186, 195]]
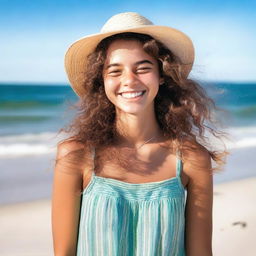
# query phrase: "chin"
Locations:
[[132, 111]]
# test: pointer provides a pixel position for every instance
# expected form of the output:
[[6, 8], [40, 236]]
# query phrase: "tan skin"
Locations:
[[197, 179]]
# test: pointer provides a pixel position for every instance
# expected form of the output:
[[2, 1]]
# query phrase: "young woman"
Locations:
[[134, 177]]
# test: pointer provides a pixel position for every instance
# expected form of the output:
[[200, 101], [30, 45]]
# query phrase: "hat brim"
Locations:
[[76, 55]]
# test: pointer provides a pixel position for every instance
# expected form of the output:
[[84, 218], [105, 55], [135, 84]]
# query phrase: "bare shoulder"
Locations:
[[197, 160], [72, 156], [66, 147]]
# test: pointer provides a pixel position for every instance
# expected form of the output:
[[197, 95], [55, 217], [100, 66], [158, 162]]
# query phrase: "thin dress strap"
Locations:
[[93, 164], [178, 164]]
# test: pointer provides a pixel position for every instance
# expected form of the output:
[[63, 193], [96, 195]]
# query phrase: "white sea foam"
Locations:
[[24, 149], [28, 144], [242, 137]]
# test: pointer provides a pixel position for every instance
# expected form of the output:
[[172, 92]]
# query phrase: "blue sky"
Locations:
[[34, 35]]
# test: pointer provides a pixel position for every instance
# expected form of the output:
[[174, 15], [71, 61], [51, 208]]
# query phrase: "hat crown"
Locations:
[[125, 21]]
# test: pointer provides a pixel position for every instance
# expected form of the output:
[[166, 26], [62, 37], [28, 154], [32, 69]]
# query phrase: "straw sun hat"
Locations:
[[76, 56]]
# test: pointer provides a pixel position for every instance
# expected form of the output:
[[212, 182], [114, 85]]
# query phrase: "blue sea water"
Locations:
[[239, 99], [31, 113], [33, 108]]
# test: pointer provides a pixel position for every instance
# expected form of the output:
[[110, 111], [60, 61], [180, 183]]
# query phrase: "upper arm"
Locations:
[[66, 197], [199, 203]]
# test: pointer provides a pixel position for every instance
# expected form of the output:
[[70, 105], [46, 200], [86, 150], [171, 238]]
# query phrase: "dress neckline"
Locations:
[[136, 184], [144, 184]]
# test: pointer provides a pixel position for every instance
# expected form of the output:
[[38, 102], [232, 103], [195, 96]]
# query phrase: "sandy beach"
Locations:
[[234, 216], [26, 227]]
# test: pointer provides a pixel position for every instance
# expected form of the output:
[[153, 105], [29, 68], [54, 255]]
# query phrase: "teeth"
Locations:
[[129, 95]]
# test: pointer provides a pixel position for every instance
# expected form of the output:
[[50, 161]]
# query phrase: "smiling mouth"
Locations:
[[132, 95]]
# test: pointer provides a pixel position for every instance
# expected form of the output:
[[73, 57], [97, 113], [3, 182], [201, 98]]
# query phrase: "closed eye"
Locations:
[[143, 69], [114, 72]]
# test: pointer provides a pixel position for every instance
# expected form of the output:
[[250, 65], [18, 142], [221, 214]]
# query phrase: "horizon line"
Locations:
[[69, 85]]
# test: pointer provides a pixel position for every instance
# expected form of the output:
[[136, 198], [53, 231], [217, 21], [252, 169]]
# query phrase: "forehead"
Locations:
[[120, 50]]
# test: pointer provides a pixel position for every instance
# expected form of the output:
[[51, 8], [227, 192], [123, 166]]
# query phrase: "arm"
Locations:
[[67, 186], [199, 203]]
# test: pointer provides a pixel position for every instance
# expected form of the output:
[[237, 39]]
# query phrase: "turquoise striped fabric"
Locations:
[[124, 219]]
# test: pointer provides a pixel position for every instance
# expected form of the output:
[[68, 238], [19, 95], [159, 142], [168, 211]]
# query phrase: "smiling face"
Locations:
[[131, 77]]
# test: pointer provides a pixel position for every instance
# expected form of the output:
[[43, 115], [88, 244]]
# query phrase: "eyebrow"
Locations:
[[136, 63]]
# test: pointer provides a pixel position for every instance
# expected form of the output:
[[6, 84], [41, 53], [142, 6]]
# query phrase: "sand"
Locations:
[[234, 213], [26, 227]]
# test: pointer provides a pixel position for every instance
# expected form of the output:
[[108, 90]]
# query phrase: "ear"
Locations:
[[161, 80]]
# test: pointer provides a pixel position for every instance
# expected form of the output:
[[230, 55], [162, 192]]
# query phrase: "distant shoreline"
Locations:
[[34, 84], [66, 84]]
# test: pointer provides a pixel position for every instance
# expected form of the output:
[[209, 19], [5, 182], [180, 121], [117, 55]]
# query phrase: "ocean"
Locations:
[[31, 115]]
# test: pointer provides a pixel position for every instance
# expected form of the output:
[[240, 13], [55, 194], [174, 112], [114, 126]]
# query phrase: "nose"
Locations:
[[129, 78]]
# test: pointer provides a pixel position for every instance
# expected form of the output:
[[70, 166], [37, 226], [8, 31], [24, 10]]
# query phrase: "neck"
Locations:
[[135, 130]]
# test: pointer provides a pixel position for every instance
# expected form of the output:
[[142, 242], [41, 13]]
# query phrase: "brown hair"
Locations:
[[182, 107]]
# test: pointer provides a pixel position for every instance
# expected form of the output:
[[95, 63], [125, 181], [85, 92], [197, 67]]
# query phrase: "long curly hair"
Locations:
[[183, 110]]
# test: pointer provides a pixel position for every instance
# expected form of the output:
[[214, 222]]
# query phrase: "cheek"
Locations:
[[109, 87], [108, 84], [153, 80]]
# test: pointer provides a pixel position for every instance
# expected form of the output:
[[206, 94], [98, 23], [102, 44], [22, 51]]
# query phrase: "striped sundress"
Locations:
[[125, 219]]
